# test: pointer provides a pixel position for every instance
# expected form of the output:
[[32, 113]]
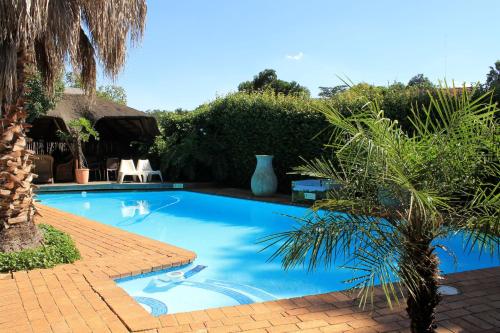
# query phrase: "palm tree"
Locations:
[[400, 193], [43, 34]]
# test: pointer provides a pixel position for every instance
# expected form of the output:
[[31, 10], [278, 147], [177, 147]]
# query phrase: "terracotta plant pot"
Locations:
[[82, 176]]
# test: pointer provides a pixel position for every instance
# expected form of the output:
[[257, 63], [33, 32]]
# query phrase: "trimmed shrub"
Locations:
[[395, 100], [219, 140], [58, 248]]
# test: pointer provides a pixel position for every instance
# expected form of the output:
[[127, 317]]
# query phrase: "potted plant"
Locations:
[[79, 130]]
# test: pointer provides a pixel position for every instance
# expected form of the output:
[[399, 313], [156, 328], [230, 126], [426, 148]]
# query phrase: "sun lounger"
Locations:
[[311, 189]]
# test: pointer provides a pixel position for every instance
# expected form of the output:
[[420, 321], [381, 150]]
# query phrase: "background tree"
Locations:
[[493, 81], [264, 79], [38, 101], [420, 81], [73, 80], [401, 193], [329, 92], [493, 77], [268, 80], [44, 34], [157, 113], [113, 93], [181, 111]]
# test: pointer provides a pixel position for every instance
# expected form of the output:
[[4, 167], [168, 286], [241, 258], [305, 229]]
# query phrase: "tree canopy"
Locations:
[[78, 31], [37, 100], [329, 92], [493, 80], [268, 80], [421, 81], [113, 93], [72, 80]]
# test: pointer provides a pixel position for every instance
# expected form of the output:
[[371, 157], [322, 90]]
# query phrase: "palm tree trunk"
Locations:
[[79, 151], [421, 306], [17, 228]]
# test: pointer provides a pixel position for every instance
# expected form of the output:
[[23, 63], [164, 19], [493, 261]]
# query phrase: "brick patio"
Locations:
[[82, 297]]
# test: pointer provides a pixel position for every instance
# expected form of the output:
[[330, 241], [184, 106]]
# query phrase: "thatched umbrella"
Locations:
[[44, 33]]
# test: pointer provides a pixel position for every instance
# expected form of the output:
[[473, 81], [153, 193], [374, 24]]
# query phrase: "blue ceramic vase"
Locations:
[[264, 181]]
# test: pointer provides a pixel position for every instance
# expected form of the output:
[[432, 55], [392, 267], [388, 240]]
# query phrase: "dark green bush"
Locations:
[[396, 100], [58, 248], [219, 140]]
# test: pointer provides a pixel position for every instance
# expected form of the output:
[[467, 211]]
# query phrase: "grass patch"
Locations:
[[57, 248]]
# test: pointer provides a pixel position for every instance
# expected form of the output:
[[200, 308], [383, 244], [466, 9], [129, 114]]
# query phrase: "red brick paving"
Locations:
[[82, 297], [476, 309]]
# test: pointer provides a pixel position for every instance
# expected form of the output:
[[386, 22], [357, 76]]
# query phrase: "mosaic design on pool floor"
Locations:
[[242, 294]]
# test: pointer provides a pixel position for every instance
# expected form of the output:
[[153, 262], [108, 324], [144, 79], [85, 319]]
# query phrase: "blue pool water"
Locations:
[[224, 233]]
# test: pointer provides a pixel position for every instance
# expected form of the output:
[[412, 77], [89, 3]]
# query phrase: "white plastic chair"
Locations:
[[144, 167], [127, 168]]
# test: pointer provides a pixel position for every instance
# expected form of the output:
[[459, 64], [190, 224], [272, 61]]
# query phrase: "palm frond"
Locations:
[[318, 238], [319, 168], [83, 31], [377, 264], [428, 175], [109, 23], [481, 221]]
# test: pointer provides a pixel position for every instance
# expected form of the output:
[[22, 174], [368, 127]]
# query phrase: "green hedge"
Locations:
[[58, 248], [395, 100], [219, 140]]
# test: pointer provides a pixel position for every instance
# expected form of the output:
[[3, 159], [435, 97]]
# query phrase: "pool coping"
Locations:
[[114, 186], [109, 253]]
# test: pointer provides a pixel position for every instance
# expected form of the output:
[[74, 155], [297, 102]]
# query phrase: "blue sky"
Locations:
[[194, 50]]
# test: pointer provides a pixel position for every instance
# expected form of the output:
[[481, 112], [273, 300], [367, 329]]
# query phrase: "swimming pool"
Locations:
[[223, 231]]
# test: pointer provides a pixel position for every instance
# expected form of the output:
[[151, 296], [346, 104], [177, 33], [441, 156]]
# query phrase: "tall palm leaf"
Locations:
[[400, 193], [45, 33]]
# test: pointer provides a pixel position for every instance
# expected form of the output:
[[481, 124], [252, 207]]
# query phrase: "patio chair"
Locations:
[[147, 171], [94, 166], [112, 165], [64, 171], [127, 168], [43, 168]]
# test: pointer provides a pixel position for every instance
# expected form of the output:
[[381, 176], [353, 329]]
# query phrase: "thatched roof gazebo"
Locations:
[[124, 132], [113, 121]]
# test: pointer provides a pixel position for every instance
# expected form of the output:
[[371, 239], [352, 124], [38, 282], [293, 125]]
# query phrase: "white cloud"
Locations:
[[295, 57]]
